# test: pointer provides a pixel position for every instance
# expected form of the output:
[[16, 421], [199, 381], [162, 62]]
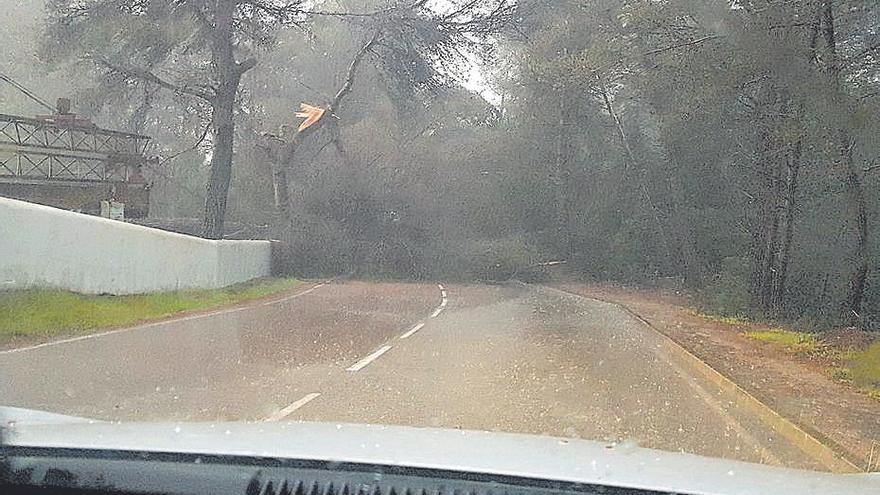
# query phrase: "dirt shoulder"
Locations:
[[800, 388]]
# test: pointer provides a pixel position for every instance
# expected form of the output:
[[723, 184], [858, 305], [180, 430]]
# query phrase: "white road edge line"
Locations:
[[436, 313], [157, 324], [363, 363], [413, 331], [307, 291], [287, 411]]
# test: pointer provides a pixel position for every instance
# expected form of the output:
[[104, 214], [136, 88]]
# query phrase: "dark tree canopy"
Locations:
[[728, 147]]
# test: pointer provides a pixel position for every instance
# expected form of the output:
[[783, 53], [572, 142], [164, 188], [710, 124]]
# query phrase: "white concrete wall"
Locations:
[[47, 247]]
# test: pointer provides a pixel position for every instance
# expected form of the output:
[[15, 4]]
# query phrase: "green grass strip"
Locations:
[[48, 313]]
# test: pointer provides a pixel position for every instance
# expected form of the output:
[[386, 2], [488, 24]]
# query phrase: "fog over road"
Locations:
[[509, 358]]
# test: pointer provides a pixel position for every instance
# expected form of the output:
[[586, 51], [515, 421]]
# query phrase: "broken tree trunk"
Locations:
[[286, 154]]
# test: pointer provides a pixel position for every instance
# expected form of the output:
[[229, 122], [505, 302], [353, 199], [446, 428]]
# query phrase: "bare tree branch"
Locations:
[[199, 141], [791, 25], [416, 5], [145, 75], [352, 71], [682, 45], [326, 13], [291, 12]]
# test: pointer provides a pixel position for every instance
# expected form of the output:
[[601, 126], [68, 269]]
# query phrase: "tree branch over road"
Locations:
[[147, 76]]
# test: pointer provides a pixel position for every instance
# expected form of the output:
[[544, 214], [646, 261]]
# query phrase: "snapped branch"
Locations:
[[352, 72], [346, 88]]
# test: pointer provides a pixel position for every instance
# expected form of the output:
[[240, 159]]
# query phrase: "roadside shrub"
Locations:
[[728, 293], [492, 260], [866, 367], [842, 374], [313, 247], [623, 254], [500, 259], [810, 324], [795, 342]]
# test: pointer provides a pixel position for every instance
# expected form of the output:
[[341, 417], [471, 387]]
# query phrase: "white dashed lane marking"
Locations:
[[363, 363], [287, 411], [413, 331]]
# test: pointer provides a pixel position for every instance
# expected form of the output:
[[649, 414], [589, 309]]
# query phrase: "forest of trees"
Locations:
[[729, 146]]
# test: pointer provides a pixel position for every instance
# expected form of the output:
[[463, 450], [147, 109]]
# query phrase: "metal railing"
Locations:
[[68, 150]]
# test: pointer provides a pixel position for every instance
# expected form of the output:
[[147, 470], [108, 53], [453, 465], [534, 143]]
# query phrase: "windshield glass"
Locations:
[[639, 223]]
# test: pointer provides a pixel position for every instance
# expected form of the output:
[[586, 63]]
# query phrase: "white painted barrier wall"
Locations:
[[42, 246]]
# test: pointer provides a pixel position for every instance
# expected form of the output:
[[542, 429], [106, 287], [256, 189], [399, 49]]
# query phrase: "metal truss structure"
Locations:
[[57, 149]]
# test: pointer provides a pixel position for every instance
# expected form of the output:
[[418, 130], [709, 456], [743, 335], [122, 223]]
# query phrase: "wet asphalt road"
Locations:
[[506, 358]]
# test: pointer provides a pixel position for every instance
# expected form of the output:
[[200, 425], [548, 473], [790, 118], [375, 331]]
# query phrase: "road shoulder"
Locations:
[[842, 418]]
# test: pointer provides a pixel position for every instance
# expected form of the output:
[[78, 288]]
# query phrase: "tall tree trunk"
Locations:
[[790, 200], [854, 191], [856, 195], [771, 240], [692, 268], [621, 132], [221, 169], [760, 229], [766, 238], [281, 189], [830, 38], [280, 185], [561, 178], [632, 163], [228, 74]]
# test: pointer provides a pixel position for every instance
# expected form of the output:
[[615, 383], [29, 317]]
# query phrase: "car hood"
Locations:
[[488, 453]]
